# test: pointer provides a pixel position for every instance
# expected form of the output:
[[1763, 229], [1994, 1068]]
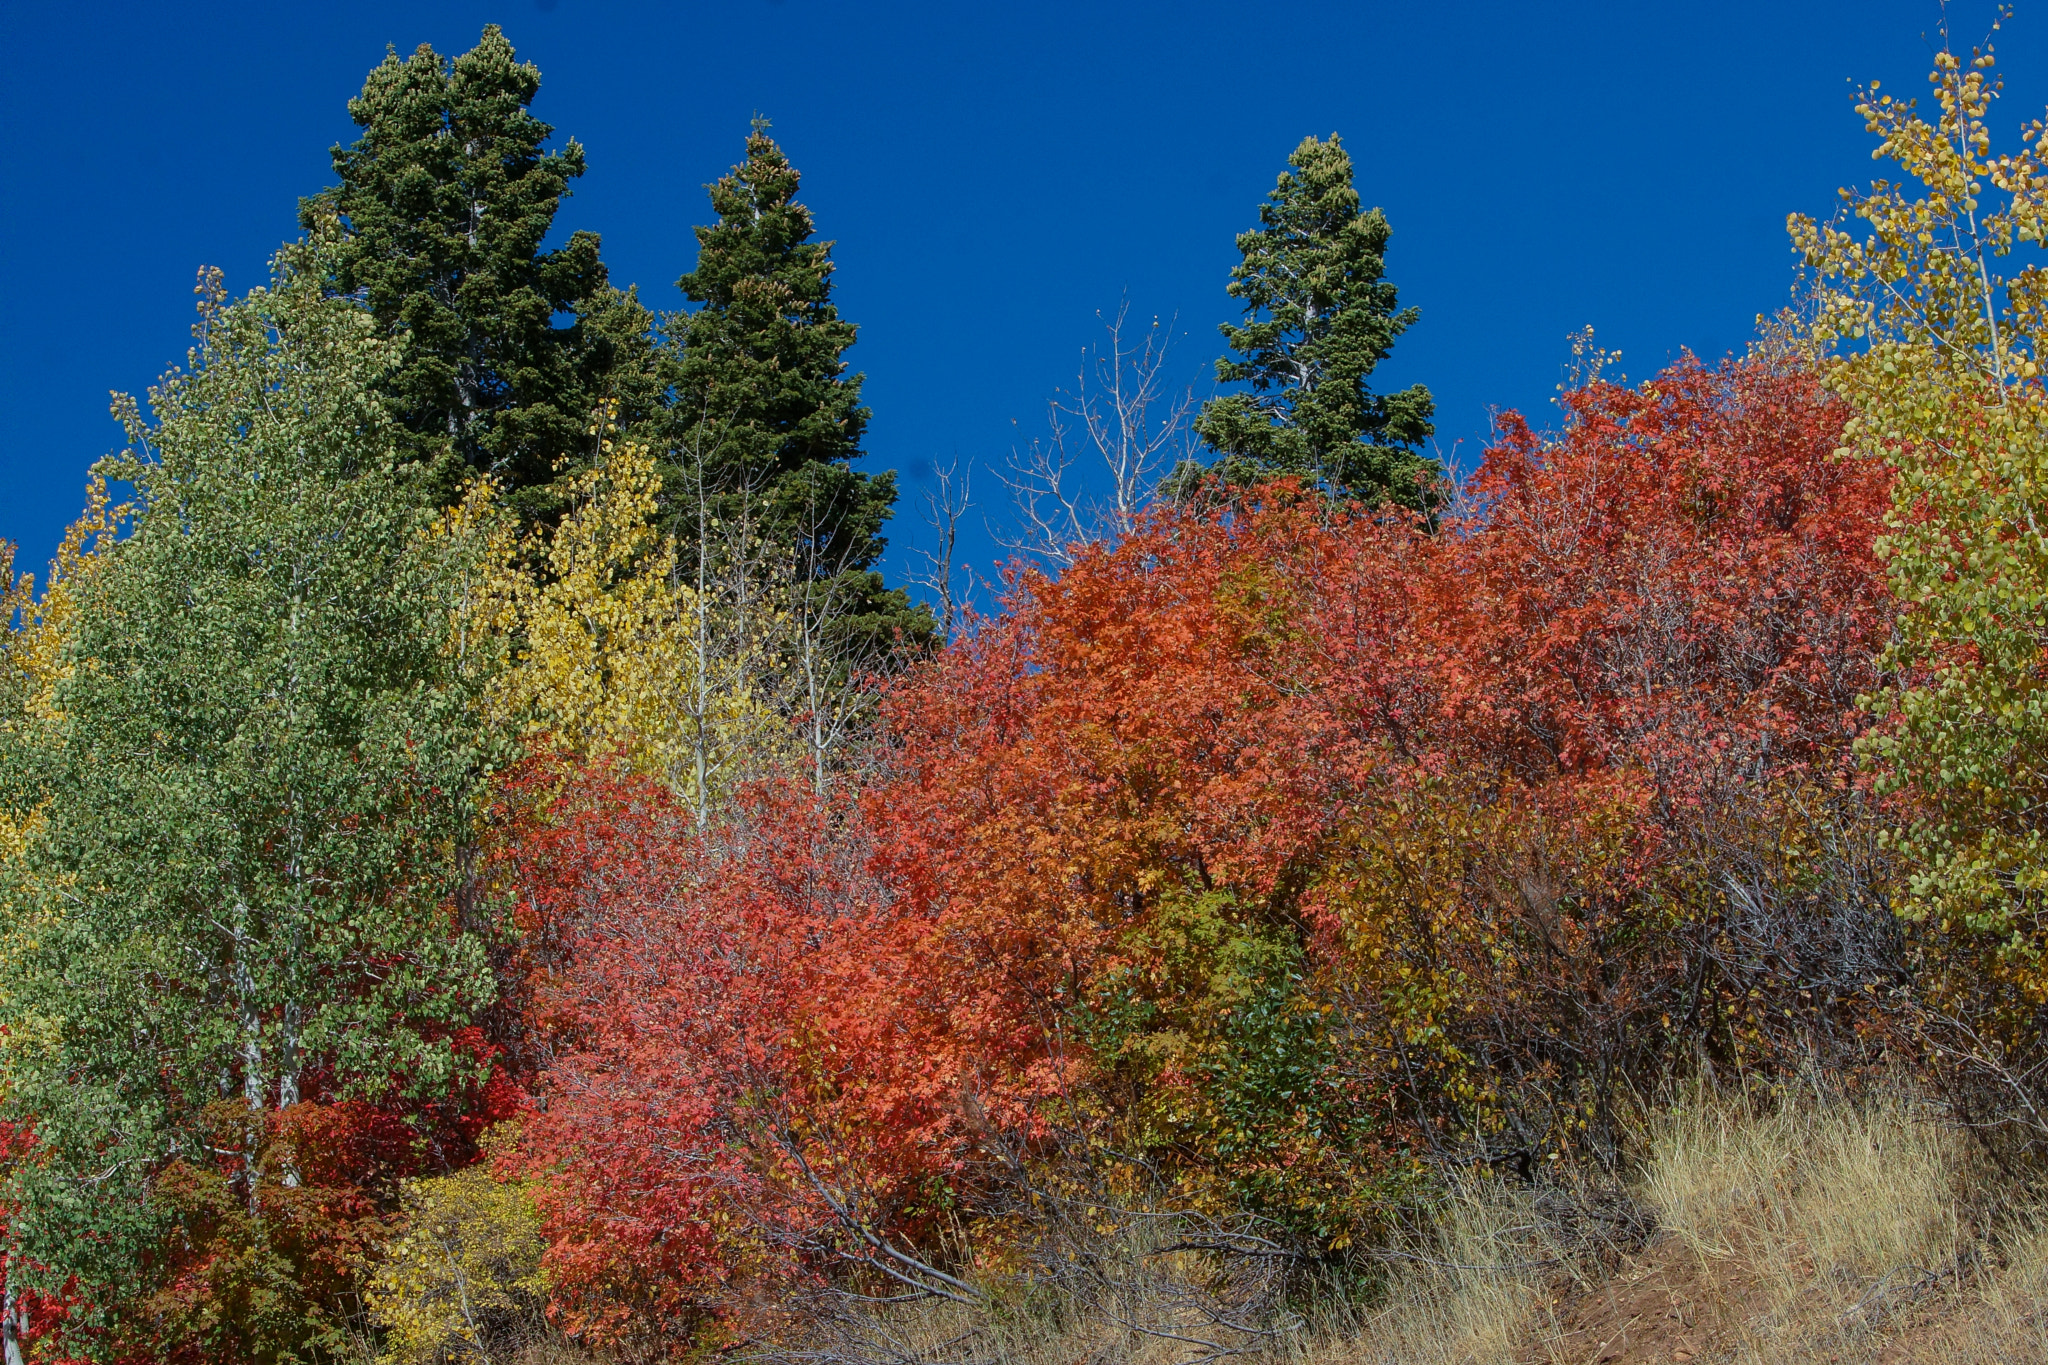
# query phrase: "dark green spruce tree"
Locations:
[[1320, 315], [447, 197], [765, 423]]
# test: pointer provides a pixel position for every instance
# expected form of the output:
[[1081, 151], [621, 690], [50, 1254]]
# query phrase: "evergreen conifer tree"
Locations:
[[447, 197], [766, 422], [1320, 316]]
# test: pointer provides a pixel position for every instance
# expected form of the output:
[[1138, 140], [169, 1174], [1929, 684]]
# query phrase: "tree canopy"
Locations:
[[1320, 316], [254, 773], [447, 199]]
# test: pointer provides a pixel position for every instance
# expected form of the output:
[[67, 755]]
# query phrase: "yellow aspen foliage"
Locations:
[[1938, 303], [613, 648], [464, 1275], [39, 625], [33, 631], [17, 603]]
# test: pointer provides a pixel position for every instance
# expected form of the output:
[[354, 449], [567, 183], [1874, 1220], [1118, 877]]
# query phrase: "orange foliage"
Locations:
[[1269, 846]]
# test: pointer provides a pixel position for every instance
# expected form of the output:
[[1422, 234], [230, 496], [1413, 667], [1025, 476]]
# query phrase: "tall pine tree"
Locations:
[[765, 421], [1320, 316], [447, 197]]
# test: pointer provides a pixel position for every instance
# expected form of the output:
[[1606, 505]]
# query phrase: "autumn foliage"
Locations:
[[1273, 850], [1270, 867]]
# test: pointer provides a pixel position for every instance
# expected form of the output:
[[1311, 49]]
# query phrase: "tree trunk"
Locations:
[[13, 1323]]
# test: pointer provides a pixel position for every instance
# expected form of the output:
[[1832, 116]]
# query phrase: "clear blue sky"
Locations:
[[993, 174]]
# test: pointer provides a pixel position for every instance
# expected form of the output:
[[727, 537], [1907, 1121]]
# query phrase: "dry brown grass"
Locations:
[[1479, 1278], [1808, 1227], [2008, 1321], [1821, 1228], [1811, 1227], [1825, 1216], [1473, 1290]]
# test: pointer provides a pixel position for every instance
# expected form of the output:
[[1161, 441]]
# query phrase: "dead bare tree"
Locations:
[[945, 506], [729, 700], [835, 668], [785, 674], [1124, 418]]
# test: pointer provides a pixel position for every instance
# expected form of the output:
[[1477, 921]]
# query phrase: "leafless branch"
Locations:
[[1124, 421], [945, 505]]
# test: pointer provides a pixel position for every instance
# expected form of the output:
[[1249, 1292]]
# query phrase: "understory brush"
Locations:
[[1757, 1224]]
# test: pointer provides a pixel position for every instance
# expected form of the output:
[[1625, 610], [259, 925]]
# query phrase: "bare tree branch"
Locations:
[[1124, 421], [944, 507]]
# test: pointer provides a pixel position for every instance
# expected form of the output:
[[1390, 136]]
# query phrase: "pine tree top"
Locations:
[[766, 421], [762, 232], [1320, 315], [447, 197], [763, 397]]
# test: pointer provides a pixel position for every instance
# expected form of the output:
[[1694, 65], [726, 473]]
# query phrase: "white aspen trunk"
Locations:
[[295, 875], [254, 1091], [13, 1322], [288, 1081], [700, 685], [817, 699], [252, 1064], [1303, 375], [288, 1058]]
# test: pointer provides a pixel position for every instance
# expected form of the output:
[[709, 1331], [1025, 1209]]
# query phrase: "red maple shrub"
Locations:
[[1267, 850], [1628, 827], [271, 1226], [750, 1077]]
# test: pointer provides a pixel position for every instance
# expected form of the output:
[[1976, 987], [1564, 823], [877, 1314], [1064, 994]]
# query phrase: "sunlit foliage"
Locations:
[[1933, 289], [603, 644], [464, 1272]]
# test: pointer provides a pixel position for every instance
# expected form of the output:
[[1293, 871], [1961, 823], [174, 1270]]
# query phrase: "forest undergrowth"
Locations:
[[1801, 1220]]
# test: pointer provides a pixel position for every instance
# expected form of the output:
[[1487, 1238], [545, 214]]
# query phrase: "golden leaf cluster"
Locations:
[[465, 1271], [602, 644]]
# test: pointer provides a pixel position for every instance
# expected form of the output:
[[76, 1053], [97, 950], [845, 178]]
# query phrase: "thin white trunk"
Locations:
[[700, 685], [13, 1323], [254, 1090]]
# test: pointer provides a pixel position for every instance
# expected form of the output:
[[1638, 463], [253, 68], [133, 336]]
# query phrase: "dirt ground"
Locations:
[[1664, 1305]]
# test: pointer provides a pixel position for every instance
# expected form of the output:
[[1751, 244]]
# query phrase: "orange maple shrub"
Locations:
[[1629, 827], [1257, 857]]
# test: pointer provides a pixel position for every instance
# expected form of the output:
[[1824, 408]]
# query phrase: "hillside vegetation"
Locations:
[[490, 870]]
